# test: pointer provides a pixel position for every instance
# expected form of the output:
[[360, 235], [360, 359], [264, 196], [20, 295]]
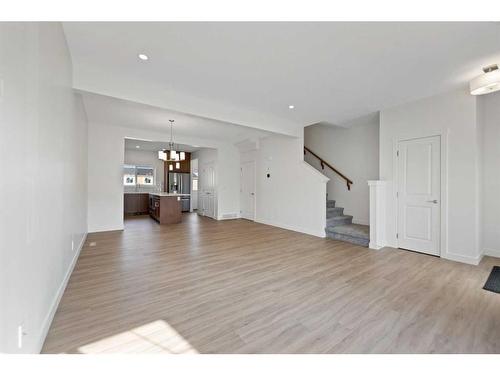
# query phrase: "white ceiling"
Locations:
[[131, 144], [248, 73], [118, 112]]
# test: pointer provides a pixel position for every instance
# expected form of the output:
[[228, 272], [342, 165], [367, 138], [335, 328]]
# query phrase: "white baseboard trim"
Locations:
[[392, 244], [463, 259], [361, 222], [106, 230], [375, 246], [492, 253], [55, 303], [228, 216], [321, 234]]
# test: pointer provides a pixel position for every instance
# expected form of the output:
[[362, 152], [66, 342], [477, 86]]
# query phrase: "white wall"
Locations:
[[105, 178], [294, 195], [43, 146], [148, 159], [228, 182], [453, 116], [489, 115], [354, 151]]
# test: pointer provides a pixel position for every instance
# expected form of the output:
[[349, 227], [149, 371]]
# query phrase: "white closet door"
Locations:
[[247, 190], [419, 187]]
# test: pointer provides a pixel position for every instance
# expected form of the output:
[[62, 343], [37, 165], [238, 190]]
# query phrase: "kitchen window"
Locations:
[[134, 175]]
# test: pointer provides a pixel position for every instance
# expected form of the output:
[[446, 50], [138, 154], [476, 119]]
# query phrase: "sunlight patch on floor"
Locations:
[[154, 337]]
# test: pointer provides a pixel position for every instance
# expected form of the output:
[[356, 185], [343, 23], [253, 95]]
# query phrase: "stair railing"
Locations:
[[323, 163]]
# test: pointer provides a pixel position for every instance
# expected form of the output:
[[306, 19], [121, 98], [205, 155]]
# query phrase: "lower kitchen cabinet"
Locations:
[[136, 203]]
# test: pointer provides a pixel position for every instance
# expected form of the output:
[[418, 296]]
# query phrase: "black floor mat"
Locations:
[[493, 282]]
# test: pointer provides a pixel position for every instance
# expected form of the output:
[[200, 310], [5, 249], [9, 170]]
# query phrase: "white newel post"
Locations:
[[377, 214]]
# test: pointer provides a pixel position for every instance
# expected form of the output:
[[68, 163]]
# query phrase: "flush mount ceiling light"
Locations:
[[291, 107], [143, 56], [487, 82], [137, 146]]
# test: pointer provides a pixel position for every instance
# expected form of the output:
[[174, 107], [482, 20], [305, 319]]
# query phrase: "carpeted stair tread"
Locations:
[[345, 238], [340, 226], [353, 230], [330, 203], [352, 233], [334, 211], [338, 220]]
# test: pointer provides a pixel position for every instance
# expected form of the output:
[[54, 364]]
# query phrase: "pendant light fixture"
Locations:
[[487, 82], [162, 155], [171, 144], [171, 154]]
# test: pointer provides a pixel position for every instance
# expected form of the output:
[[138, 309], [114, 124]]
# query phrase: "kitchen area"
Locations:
[[158, 181]]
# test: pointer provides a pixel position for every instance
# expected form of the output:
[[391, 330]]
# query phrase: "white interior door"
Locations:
[[208, 190], [194, 185], [247, 190], [419, 188]]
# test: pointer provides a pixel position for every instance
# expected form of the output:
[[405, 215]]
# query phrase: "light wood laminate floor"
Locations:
[[235, 286]]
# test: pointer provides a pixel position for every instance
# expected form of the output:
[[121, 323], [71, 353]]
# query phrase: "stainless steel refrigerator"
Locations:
[[180, 183]]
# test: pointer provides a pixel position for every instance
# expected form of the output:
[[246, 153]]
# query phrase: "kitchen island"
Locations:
[[166, 208]]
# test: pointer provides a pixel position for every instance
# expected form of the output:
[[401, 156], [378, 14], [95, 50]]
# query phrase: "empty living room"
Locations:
[[206, 178]]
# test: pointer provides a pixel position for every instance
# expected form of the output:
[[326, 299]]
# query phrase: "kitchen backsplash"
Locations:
[[142, 189]]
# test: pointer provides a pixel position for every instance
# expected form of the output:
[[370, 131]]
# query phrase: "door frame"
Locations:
[[254, 187], [443, 217]]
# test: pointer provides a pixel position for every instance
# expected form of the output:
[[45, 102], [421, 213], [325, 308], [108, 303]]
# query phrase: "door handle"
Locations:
[[432, 201]]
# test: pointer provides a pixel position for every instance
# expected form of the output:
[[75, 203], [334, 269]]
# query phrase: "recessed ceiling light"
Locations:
[[291, 107], [143, 57], [137, 146]]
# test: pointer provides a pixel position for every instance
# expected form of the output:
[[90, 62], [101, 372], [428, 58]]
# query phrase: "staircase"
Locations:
[[340, 226]]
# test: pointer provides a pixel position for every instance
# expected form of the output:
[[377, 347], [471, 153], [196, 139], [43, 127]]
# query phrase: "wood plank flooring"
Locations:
[[204, 286]]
